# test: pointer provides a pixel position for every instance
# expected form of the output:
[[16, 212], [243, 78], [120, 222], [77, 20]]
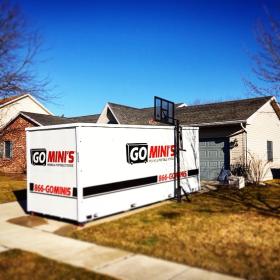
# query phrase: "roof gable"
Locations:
[[275, 108], [13, 99]]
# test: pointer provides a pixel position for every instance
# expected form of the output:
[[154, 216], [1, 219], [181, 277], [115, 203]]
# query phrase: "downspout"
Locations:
[[246, 150]]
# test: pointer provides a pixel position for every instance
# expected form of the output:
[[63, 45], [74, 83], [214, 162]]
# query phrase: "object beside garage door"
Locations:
[[214, 154]]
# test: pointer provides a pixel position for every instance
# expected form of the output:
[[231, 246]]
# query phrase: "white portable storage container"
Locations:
[[86, 171]]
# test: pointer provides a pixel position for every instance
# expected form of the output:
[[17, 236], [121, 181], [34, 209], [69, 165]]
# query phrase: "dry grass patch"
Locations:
[[274, 182], [12, 188], [16, 264], [66, 230], [229, 231]]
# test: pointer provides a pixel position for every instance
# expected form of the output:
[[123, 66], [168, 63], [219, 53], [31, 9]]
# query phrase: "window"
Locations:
[[8, 149], [269, 150]]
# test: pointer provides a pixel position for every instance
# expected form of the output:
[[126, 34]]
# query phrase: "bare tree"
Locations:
[[267, 61], [257, 168], [19, 46]]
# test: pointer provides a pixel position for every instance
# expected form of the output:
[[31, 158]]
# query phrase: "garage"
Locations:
[[214, 154]]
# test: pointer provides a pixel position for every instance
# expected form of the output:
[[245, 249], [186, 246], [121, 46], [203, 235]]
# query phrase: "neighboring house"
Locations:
[[231, 132], [11, 106], [13, 140]]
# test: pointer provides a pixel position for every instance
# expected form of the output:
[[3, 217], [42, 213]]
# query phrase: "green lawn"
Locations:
[[12, 188], [230, 231], [20, 265]]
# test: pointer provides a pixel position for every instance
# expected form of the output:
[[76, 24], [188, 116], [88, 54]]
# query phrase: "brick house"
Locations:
[[13, 139], [10, 107], [229, 132]]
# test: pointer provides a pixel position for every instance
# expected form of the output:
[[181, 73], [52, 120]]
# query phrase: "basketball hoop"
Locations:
[[164, 111]]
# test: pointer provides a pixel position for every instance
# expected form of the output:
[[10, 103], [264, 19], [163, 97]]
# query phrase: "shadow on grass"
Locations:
[[264, 199], [170, 214]]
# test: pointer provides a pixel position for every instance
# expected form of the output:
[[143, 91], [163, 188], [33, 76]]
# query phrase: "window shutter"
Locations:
[[1, 149], [269, 150]]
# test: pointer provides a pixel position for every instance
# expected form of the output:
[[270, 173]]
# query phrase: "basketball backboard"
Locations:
[[164, 110]]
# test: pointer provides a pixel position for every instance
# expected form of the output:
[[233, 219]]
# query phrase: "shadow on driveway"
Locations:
[[21, 196]]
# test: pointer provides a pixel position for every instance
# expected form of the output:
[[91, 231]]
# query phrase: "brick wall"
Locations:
[[15, 132]]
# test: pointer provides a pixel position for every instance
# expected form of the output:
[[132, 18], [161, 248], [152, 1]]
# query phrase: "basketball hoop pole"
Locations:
[[164, 112], [177, 148]]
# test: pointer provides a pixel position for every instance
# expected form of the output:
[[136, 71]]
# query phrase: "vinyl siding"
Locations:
[[9, 111], [264, 126], [237, 151]]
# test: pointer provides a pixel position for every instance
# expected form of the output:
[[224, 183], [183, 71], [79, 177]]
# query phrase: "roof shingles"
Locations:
[[43, 119], [230, 111], [221, 112]]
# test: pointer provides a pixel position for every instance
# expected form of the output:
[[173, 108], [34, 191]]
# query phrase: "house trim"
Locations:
[[19, 114], [29, 118], [218, 123]]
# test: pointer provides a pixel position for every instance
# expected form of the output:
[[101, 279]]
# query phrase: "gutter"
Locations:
[[218, 123], [246, 150]]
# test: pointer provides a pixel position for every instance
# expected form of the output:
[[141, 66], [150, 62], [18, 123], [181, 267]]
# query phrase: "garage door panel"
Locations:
[[203, 164], [212, 174], [214, 164], [203, 154], [215, 144], [221, 154], [214, 154]]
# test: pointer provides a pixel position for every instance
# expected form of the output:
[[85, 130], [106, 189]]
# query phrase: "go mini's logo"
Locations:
[[141, 152], [137, 152], [38, 156], [52, 158]]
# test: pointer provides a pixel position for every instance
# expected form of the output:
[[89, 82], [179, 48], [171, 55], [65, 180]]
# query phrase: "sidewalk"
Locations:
[[114, 262]]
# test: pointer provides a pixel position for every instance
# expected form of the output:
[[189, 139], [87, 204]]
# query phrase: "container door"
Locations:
[[51, 168]]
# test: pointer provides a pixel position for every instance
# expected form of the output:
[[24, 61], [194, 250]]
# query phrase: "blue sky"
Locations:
[[128, 51]]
